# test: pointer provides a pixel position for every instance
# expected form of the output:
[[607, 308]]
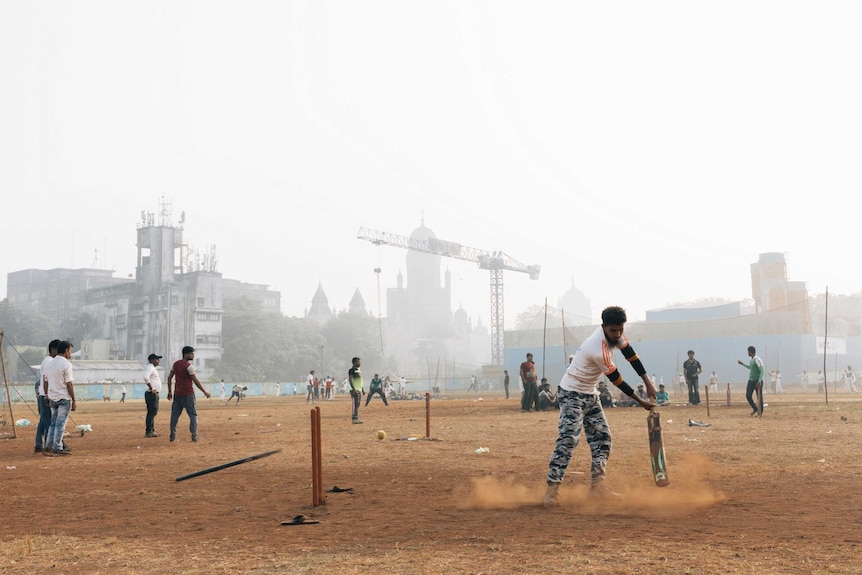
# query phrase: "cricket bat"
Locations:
[[656, 449]]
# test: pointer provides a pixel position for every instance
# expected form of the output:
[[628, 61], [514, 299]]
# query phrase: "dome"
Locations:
[[577, 306], [423, 233], [460, 317]]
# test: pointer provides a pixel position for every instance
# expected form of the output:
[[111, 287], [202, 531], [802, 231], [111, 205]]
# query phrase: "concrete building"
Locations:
[[778, 324], [175, 299], [419, 321]]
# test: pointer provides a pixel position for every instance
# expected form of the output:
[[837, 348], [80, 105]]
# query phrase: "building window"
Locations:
[[201, 302]]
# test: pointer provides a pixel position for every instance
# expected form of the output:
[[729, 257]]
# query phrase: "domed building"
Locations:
[[576, 306], [420, 323]]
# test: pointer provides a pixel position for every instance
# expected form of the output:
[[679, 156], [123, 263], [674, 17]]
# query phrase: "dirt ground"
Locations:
[[774, 495]]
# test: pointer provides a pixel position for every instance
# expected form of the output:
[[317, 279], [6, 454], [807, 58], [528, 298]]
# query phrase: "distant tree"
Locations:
[[78, 329], [21, 328], [265, 346], [351, 335], [534, 318]]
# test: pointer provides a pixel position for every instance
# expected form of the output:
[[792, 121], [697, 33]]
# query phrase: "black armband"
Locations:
[[639, 367], [615, 377], [632, 357], [626, 388]]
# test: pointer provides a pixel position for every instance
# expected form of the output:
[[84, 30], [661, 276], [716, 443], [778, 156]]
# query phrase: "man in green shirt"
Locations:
[[376, 387], [755, 380], [354, 380]]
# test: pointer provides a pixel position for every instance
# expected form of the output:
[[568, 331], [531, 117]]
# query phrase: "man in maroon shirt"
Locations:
[[184, 398]]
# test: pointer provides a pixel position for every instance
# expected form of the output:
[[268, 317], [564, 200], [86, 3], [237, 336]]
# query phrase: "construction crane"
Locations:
[[494, 261]]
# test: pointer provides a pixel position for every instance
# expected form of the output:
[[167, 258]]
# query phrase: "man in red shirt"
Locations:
[[530, 397], [184, 398]]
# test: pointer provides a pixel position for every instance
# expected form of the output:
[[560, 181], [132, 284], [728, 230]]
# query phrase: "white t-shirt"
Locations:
[[43, 373], [151, 376], [59, 372], [593, 359]]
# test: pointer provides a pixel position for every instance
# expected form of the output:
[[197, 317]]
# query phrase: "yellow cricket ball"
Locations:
[[381, 434]]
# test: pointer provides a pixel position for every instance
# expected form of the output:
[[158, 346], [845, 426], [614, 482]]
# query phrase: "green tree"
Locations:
[[21, 328], [265, 346], [347, 336]]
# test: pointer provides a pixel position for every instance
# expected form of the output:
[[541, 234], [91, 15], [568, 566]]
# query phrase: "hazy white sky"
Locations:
[[649, 151]]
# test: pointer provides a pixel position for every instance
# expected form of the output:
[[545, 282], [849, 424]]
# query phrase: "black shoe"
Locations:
[[38, 449]]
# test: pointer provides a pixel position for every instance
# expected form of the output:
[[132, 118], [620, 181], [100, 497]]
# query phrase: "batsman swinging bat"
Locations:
[[656, 449]]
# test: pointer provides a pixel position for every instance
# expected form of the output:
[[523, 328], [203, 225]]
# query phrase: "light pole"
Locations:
[[321, 361], [379, 313]]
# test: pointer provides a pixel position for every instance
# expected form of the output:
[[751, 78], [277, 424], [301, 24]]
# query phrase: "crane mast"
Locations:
[[494, 261]]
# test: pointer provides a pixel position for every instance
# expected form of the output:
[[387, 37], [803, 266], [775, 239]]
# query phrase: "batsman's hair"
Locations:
[[751, 349], [62, 346], [53, 345], [354, 360], [613, 315]]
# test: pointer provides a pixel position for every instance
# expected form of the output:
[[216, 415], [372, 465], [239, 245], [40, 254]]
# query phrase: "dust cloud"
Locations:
[[688, 492]]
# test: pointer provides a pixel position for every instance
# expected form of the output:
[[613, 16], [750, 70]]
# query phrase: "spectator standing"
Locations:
[[529, 382], [151, 395], [42, 399], [506, 382], [692, 369], [184, 398], [354, 377], [61, 398]]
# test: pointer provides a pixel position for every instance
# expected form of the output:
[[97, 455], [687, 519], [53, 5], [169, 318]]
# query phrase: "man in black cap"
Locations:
[[151, 395]]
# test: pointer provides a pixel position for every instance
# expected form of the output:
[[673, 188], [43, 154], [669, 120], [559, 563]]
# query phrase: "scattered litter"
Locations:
[[695, 423], [84, 428], [830, 431], [337, 489], [346, 456], [482, 450], [689, 439], [300, 520], [242, 415], [821, 461], [843, 418], [22, 423], [10, 467], [670, 421]]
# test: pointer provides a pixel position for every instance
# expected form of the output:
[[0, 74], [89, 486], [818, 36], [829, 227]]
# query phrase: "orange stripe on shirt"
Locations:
[[608, 358]]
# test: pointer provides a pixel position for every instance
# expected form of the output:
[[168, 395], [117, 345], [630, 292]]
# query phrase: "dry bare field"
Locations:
[[774, 495]]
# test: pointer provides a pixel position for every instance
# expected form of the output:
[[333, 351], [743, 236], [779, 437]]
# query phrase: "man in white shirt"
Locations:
[[151, 396], [580, 405], [309, 387], [42, 397], [61, 397]]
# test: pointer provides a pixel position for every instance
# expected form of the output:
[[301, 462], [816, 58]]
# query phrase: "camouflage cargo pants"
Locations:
[[580, 411]]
